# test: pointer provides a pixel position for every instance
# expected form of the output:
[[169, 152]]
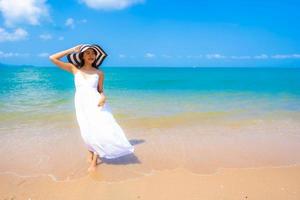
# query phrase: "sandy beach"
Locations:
[[263, 183], [245, 160]]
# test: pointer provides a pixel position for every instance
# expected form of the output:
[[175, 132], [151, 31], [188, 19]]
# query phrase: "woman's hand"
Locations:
[[101, 100], [55, 58]]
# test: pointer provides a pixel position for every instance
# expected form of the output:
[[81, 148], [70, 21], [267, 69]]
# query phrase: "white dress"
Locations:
[[99, 129]]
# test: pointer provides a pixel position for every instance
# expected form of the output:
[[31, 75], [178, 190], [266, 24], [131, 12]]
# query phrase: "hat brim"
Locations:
[[74, 58]]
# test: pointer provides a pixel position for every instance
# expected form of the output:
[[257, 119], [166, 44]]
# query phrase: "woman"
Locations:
[[101, 133]]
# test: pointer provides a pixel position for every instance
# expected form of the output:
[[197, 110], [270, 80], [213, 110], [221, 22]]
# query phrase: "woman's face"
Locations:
[[89, 56]]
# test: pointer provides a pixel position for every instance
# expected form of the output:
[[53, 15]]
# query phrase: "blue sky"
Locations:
[[154, 32]]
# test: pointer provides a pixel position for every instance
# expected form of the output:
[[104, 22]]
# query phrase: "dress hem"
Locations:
[[117, 156]]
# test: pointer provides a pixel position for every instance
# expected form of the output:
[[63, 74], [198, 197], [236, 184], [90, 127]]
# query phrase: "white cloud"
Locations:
[[286, 56], [70, 23], [18, 34], [44, 54], [240, 57], [193, 57], [215, 56], [46, 36], [218, 56], [11, 54], [262, 56], [23, 11], [110, 4], [149, 55]]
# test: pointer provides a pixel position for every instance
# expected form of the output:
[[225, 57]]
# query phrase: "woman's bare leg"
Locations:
[[94, 163], [90, 157]]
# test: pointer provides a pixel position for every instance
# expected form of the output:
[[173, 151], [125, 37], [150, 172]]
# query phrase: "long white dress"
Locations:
[[99, 129]]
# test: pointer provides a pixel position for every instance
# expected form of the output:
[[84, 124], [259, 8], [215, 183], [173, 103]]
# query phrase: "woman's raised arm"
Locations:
[[64, 65]]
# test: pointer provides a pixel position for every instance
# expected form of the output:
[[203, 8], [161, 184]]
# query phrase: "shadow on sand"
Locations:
[[127, 159]]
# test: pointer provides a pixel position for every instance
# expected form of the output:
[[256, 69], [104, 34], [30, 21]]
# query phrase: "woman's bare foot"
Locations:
[[94, 163], [92, 168]]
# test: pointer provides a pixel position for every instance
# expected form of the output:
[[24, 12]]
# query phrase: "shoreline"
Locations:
[[233, 183], [152, 172]]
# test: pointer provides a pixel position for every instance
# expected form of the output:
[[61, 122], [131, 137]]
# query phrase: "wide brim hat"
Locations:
[[75, 59]]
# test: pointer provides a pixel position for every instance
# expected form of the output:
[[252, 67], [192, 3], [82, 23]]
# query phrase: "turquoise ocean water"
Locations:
[[41, 92]]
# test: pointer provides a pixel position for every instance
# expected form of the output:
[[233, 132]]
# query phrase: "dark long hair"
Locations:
[[82, 63]]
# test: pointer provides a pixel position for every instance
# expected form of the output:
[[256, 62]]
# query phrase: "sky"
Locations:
[[194, 33]]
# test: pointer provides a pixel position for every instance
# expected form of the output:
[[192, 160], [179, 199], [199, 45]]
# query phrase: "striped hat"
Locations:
[[100, 55]]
